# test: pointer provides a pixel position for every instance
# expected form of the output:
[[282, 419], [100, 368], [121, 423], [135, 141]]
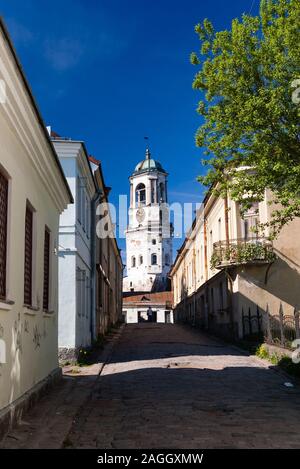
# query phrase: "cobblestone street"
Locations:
[[167, 387]]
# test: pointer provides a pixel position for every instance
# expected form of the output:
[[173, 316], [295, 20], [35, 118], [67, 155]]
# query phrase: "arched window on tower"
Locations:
[[140, 194], [141, 260], [133, 261], [154, 259], [162, 192]]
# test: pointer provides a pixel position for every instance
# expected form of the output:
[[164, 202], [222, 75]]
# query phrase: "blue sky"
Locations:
[[110, 72]]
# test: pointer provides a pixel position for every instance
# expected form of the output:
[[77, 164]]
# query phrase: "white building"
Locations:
[[33, 193], [149, 233], [76, 286], [148, 307]]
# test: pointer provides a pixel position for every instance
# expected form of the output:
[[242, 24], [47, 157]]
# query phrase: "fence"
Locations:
[[278, 329]]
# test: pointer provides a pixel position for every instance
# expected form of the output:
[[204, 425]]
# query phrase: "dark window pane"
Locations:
[[3, 233]]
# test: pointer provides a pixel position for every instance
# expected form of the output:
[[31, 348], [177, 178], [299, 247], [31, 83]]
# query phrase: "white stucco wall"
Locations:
[[26, 158], [75, 306], [132, 315]]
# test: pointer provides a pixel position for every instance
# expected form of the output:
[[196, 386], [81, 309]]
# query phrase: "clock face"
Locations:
[[140, 215]]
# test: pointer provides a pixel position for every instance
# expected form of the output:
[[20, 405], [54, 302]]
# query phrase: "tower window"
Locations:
[[141, 260], [154, 241], [167, 259], [133, 262], [140, 194], [162, 191], [154, 259]]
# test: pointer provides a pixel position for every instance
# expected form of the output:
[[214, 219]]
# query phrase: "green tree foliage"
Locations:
[[249, 107]]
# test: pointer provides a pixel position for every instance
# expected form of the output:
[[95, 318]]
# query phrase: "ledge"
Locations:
[[48, 314], [225, 264], [30, 310], [6, 305]]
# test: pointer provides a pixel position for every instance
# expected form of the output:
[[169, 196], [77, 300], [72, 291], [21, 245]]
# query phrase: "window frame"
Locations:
[[29, 209], [3, 294], [154, 256], [47, 233]]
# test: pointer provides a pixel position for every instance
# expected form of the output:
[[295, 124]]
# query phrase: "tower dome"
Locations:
[[148, 164]]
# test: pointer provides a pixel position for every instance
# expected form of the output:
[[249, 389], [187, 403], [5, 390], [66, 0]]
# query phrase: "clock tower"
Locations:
[[149, 233]]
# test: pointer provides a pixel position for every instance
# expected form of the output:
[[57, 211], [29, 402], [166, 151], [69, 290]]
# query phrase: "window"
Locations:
[[46, 270], [78, 199], [162, 191], [28, 257], [154, 259], [3, 233], [133, 262], [250, 222], [87, 208], [141, 260], [84, 208], [167, 259], [154, 241], [140, 194], [152, 193], [220, 229]]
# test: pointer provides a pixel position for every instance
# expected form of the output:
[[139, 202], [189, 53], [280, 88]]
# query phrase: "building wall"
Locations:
[[197, 286], [109, 271], [29, 335], [75, 262], [131, 314]]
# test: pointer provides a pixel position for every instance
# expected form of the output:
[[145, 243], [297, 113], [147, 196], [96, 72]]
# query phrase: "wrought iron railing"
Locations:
[[242, 251], [281, 329]]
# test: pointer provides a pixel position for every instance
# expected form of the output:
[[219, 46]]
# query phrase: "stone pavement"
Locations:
[[168, 386]]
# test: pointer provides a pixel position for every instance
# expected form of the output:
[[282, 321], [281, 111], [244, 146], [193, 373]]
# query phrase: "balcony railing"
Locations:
[[242, 252]]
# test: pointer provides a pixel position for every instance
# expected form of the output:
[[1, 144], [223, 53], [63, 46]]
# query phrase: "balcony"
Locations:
[[242, 252]]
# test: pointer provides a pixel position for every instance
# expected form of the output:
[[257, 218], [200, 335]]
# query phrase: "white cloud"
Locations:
[[64, 53], [19, 33]]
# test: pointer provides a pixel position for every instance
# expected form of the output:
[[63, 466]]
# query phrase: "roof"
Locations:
[[81, 142], [35, 107], [145, 298], [148, 164], [93, 160]]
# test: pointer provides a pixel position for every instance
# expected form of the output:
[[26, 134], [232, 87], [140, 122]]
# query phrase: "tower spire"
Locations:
[[148, 154]]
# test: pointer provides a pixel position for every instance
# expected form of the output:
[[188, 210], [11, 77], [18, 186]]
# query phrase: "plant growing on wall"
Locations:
[[241, 253]]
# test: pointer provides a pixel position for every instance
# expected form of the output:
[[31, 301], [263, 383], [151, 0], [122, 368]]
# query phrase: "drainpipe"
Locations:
[[97, 198], [228, 276], [226, 219]]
